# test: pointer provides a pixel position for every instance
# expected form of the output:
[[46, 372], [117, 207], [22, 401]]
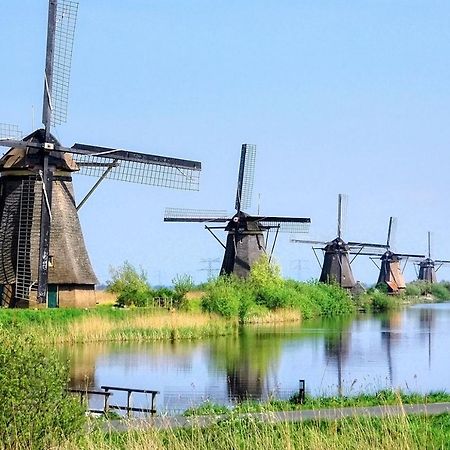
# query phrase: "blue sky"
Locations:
[[339, 96]]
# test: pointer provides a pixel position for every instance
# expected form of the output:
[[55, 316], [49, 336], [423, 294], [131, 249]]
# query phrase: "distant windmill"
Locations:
[[427, 267], [36, 193], [391, 272], [245, 241], [336, 267]]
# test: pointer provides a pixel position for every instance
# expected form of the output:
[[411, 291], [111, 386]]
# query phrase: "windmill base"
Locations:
[[59, 296]]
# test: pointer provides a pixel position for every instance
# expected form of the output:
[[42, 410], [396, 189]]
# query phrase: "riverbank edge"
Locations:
[[111, 324], [274, 417]]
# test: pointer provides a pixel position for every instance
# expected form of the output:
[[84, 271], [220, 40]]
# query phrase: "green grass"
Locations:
[[388, 433], [105, 323], [384, 397]]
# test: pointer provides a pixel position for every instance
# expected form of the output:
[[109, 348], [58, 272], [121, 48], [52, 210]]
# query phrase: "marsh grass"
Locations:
[[104, 324]]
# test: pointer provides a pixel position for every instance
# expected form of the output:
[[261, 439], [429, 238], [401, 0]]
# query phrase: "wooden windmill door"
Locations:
[[52, 296]]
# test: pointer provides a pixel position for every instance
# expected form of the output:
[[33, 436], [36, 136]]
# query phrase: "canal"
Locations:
[[406, 349]]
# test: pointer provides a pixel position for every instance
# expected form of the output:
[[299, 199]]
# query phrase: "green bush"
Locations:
[[35, 409], [265, 290], [413, 290], [440, 291], [131, 286], [223, 297]]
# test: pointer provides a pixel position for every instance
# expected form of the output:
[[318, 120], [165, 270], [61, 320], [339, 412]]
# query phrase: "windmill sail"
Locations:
[[246, 177], [195, 215], [284, 224], [137, 167]]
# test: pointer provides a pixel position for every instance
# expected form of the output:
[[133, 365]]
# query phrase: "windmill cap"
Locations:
[[30, 158]]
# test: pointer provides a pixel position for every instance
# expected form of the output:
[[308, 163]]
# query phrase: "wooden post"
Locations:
[[128, 402]]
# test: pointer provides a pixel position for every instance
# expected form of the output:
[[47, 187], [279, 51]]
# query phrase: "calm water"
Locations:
[[408, 349]]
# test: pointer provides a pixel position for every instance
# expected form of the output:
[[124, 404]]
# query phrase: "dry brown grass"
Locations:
[[276, 316], [145, 325], [105, 298]]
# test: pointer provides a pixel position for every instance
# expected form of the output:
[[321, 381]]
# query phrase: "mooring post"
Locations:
[[129, 402], [301, 392], [153, 403]]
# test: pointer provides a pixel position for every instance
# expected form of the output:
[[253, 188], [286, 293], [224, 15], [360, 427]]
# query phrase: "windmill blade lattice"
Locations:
[[392, 233], [9, 131], [137, 167], [66, 19], [246, 177], [308, 241], [287, 225], [342, 214], [195, 215]]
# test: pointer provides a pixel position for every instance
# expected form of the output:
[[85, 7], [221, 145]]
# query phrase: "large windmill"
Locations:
[[391, 272], [42, 247], [427, 267], [336, 267], [245, 240]]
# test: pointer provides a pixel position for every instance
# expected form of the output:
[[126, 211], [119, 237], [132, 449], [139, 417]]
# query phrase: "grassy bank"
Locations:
[[384, 397], [403, 432], [104, 324]]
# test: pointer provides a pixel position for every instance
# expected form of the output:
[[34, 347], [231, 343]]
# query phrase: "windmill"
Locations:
[[336, 267], [427, 267], [245, 240], [36, 193], [391, 272]]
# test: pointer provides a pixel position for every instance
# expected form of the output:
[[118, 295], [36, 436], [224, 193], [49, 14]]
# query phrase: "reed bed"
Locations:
[[111, 324], [283, 315]]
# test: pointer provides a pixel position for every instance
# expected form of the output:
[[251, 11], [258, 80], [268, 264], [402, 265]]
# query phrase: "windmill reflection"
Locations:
[[426, 324], [247, 360], [389, 326], [337, 348]]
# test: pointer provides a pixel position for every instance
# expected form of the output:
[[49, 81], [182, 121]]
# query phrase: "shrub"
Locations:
[[440, 291], [413, 290], [35, 409], [182, 284], [130, 285], [223, 297]]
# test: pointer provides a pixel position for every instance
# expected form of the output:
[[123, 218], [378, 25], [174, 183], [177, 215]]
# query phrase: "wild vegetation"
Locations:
[[35, 409], [133, 289], [383, 397], [391, 432], [113, 324], [440, 291]]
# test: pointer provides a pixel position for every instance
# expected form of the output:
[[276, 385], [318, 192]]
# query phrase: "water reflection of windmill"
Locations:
[[336, 267], [245, 240], [337, 350], [427, 267], [37, 199], [391, 272]]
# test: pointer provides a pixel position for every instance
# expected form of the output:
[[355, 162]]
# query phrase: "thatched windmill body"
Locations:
[[43, 257], [336, 266], [245, 241], [428, 266]]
